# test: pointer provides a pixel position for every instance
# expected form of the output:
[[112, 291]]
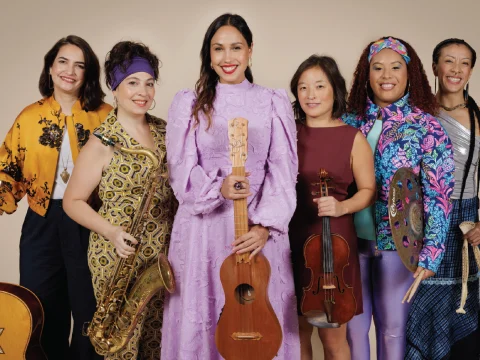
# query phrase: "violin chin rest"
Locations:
[[319, 320]]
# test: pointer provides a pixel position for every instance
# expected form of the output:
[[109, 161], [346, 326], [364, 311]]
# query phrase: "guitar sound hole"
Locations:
[[245, 294]]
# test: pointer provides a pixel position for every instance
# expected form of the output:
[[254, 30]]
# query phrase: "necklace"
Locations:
[[459, 106], [65, 175]]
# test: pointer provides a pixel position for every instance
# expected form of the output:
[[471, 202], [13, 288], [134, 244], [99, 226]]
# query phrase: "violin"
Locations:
[[327, 301], [248, 327]]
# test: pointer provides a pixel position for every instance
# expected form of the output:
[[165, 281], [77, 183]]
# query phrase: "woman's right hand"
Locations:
[[231, 191], [117, 236]]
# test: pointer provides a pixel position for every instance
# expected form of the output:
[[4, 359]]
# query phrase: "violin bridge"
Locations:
[[328, 287], [246, 336]]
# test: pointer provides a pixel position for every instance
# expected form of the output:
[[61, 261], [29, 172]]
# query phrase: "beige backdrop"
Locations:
[[285, 33]]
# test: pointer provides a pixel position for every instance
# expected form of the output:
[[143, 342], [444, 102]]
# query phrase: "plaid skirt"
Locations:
[[433, 326]]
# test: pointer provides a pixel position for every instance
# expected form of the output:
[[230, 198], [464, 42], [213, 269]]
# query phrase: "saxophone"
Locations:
[[117, 312]]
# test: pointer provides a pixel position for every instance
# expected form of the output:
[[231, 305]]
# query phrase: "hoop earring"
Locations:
[[250, 63], [435, 85], [465, 93], [50, 86], [154, 104]]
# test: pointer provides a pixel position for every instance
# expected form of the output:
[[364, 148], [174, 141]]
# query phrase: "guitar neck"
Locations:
[[240, 213]]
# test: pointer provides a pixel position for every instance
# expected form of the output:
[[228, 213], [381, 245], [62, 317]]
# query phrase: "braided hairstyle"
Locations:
[[472, 107]]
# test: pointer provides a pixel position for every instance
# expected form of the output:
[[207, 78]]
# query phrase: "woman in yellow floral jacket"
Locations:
[[36, 159]]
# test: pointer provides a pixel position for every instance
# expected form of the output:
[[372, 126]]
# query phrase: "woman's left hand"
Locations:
[[473, 236], [426, 275], [329, 206], [253, 241]]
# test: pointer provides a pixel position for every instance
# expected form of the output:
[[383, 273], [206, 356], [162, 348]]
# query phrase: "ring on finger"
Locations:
[[238, 186]]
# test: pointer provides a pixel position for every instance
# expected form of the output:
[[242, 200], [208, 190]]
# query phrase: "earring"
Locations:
[[154, 104], [114, 102], [250, 63], [465, 93], [50, 86], [435, 84]]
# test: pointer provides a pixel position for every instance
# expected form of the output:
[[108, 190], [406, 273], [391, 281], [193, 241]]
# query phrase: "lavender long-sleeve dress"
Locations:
[[203, 228]]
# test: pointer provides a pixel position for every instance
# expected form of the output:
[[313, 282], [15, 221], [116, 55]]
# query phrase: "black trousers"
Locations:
[[53, 264]]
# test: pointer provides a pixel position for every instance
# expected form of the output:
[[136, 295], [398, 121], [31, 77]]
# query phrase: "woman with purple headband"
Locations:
[[131, 72], [391, 102]]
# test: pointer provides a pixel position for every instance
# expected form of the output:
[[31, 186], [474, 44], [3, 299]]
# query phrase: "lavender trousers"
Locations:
[[385, 280]]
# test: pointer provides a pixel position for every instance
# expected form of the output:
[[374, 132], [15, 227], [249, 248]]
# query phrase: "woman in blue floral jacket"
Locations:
[[391, 102]]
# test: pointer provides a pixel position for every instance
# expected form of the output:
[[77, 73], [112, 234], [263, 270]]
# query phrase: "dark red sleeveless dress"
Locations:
[[330, 149]]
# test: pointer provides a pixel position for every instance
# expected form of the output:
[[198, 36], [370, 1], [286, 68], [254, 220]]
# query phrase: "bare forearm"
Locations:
[[362, 199], [84, 215]]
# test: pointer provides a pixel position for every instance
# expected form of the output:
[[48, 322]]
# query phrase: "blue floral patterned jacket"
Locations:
[[414, 139]]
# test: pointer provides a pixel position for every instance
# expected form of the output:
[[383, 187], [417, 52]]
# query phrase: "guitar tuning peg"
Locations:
[[315, 193], [315, 184]]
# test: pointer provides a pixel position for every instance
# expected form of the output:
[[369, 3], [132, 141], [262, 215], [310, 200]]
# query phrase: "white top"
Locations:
[[64, 161]]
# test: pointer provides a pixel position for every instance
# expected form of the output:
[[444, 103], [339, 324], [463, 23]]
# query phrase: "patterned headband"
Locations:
[[389, 43]]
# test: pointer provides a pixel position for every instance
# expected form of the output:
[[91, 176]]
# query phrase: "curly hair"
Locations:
[[122, 54], [206, 84], [421, 95], [91, 94], [335, 78]]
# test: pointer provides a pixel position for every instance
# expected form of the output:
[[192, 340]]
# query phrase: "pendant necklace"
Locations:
[[65, 175]]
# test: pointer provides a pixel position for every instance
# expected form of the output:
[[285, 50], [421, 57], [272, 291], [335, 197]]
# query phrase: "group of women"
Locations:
[[389, 121]]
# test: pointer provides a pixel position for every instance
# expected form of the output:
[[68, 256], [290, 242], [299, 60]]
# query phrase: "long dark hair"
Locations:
[[472, 107], [206, 84], [335, 78], [419, 88], [122, 54], [91, 94]]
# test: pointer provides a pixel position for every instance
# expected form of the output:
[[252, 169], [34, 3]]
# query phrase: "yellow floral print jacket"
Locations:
[[29, 154]]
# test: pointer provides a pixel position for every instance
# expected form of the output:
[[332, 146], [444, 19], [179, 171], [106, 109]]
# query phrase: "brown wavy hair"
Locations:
[[206, 84], [421, 95], [91, 94]]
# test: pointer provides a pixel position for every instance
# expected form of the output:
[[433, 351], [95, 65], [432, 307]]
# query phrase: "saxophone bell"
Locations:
[[166, 273]]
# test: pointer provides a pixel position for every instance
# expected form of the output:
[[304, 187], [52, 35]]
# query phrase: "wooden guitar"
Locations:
[[248, 327], [21, 323]]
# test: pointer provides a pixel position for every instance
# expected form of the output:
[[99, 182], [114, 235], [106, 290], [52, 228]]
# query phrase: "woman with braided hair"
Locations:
[[435, 330]]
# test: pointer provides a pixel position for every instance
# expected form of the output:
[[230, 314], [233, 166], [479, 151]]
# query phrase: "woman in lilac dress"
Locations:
[[200, 175]]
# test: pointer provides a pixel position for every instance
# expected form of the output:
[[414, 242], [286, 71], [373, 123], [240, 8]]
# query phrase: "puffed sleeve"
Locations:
[[275, 203], [12, 155], [437, 174], [195, 189]]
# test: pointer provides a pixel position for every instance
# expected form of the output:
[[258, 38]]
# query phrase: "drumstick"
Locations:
[[413, 288], [466, 226]]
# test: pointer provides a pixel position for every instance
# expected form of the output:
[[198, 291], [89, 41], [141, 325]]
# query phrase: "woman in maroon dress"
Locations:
[[324, 141]]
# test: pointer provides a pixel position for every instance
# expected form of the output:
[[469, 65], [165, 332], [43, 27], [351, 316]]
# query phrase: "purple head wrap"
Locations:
[[138, 64], [388, 43]]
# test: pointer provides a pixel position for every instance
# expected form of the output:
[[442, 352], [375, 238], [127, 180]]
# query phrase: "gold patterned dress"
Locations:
[[120, 190]]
